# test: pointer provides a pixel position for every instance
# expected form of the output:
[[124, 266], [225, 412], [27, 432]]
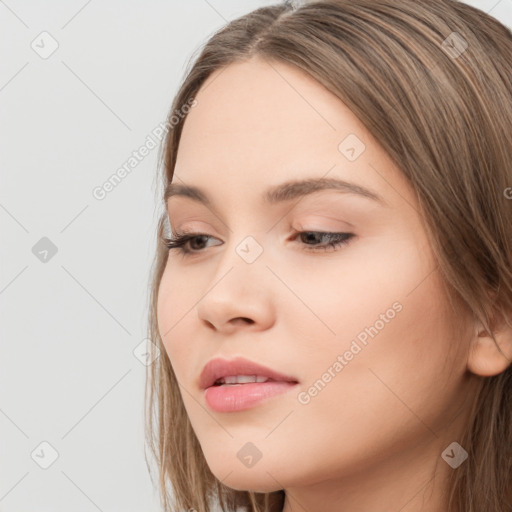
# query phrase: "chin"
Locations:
[[254, 483], [246, 479]]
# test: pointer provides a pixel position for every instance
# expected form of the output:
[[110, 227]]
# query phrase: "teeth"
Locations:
[[242, 379]]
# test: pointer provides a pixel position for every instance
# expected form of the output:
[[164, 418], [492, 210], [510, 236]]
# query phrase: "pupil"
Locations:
[[195, 239], [311, 237]]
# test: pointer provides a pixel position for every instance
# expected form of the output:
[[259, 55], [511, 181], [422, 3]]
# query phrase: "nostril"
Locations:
[[210, 325], [243, 319]]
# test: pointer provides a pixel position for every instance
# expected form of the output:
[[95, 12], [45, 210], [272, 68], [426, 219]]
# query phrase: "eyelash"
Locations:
[[179, 240]]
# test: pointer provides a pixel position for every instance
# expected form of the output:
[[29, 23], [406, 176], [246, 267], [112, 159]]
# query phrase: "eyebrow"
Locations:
[[283, 192]]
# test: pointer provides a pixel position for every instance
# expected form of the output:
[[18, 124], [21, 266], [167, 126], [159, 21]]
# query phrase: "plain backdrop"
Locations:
[[82, 86]]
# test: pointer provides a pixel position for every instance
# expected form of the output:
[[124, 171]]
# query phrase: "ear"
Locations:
[[487, 357]]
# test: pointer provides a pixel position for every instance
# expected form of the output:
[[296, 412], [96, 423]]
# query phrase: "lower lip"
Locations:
[[232, 398]]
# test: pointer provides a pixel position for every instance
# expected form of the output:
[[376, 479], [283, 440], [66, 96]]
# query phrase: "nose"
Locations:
[[238, 297]]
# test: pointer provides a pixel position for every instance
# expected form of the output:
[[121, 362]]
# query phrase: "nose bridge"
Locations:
[[243, 259], [240, 286]]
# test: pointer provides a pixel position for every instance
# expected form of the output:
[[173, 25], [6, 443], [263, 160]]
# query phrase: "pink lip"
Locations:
[[217, 368], [231, 398]]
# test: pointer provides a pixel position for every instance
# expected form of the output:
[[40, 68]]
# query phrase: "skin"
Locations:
[[372, 438]]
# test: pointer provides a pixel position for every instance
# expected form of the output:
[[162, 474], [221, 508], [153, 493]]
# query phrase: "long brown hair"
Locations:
[[432, 82]]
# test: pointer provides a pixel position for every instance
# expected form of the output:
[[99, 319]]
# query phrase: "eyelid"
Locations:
[[188, 226], [179, 240]]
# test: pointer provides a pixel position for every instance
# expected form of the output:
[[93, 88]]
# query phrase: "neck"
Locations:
[[416, 480]]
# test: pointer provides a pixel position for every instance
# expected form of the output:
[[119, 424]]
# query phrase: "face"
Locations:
[[338, 289]]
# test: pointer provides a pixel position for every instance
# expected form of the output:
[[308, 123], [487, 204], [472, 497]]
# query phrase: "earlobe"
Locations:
[[487, 357]]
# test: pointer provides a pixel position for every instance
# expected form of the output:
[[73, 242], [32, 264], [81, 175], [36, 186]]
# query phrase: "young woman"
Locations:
[[332, 289]]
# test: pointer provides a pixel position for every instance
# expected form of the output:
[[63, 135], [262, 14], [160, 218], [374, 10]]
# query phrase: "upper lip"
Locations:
[[218, 368]]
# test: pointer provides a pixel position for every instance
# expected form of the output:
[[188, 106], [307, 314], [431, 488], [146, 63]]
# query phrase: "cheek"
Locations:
[[351, 290], [396, 388], [174, 316], [386, 315], [396, 360]]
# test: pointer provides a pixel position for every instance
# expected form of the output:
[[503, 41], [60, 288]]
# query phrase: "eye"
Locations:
[[195, 243], [333, 240], [180, 240]]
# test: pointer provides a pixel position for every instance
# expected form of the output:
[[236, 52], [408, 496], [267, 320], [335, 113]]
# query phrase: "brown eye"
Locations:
[[202, 241], [180, 240], [331, 240]]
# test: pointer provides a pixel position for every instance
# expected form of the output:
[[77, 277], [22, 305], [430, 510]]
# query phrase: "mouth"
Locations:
[[239, 384], [237, 397], [239, 371], [238, 380]]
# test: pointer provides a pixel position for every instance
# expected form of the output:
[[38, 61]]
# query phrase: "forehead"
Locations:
[[258, 123]]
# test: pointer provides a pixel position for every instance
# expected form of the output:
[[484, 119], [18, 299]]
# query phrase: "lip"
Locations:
[[239, 397], [217, 368]]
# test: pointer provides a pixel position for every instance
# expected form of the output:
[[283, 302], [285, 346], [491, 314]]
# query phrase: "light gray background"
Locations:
[[69, 325]]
